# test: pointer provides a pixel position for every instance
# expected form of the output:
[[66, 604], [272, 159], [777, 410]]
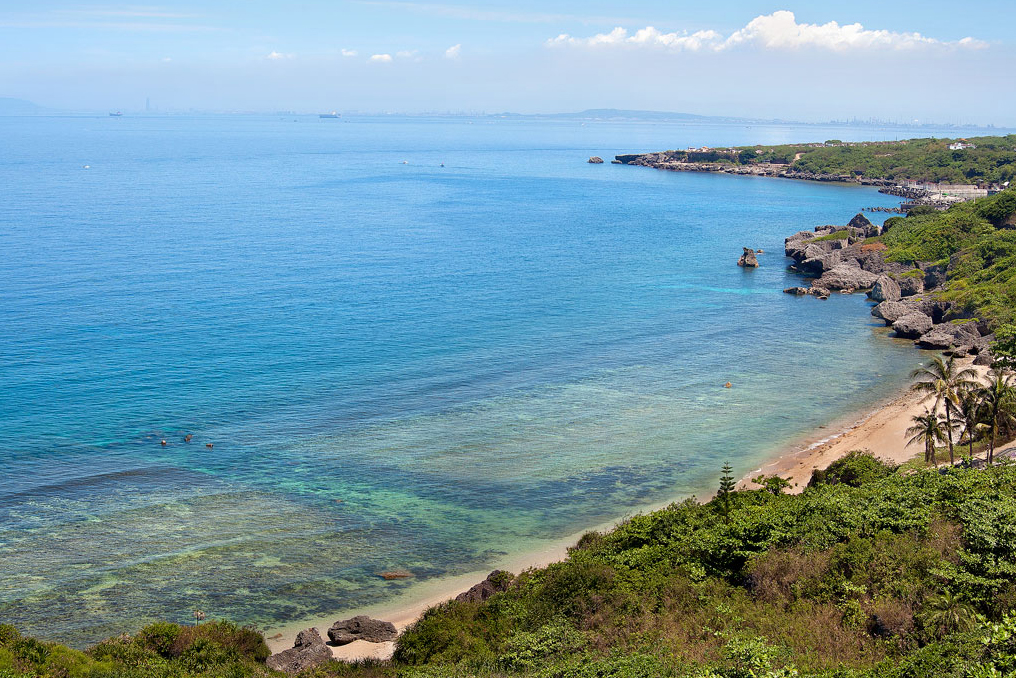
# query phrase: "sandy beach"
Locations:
[[880, 431]]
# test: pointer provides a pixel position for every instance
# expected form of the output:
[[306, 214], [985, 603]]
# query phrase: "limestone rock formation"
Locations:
[[497, 581], [913, 325], [891, 311], [910, 285], [885, 289], [846, 277], [865, 228], [595, 160], [748, 259], [362, 627], [308, 651]]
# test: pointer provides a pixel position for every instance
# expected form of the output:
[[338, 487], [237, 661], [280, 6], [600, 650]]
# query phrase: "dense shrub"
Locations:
[[856, 468]]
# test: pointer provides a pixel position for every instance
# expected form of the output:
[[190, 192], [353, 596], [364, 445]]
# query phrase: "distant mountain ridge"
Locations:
[[9, 106]]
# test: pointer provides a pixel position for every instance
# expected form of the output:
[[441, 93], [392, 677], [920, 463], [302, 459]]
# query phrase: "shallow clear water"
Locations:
[[399, 365]]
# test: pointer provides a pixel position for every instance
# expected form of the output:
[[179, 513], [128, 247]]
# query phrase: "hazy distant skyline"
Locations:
[[928, 61]]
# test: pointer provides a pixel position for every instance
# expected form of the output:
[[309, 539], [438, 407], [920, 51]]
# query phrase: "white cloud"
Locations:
[[166, 60], [381, 58], [453, 52], [349, 52], [776, 31], [406, 53], [276, 56]]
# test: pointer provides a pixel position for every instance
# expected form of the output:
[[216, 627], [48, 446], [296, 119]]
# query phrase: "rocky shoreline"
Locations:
[[673, 161], [677, 161], [848, 259]]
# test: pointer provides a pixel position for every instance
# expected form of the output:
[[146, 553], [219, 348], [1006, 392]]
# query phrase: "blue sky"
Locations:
[[814, 61]]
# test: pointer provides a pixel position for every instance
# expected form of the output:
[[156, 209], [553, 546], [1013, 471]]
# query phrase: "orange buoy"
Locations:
[[727, 385]]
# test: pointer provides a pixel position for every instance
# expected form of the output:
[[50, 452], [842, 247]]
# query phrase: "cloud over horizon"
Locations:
[[777, 31]]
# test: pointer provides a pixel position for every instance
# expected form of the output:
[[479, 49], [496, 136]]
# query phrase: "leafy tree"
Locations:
[[772, 484], [927, 429], [945, 381], [1003, 350]]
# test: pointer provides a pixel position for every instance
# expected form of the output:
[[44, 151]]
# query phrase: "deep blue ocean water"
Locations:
[[412, 343]]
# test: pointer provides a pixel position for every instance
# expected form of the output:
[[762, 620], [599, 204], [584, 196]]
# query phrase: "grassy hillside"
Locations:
[[976, 242], [870, 572]]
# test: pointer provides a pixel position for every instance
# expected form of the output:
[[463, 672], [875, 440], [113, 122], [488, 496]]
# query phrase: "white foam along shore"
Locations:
[[879, 430]]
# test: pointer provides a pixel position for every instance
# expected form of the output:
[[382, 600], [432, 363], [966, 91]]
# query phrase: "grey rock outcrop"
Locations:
[[798, 291], [891, 311], [949, 335], [748, 259], [910, 285], [497, 581], [362, 627], [595, 160], [865, 228], [934, 277], [913, 325], [885, 289], [846, 277], [308, 651]]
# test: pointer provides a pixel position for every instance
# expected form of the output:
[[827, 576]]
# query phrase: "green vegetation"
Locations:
[[160, 650], [991, 160], [944, 380], [975, 242], [835, 235], [871, 572]]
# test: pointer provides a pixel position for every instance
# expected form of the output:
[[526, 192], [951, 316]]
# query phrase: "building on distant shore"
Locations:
[[961, 145]]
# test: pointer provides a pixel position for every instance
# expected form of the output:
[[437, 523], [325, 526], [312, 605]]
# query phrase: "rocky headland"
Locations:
[[848, 259], [675, 161]]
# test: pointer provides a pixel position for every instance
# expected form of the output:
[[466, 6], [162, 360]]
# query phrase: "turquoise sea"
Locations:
[[412, 343]]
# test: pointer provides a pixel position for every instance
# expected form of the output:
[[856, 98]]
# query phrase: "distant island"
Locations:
[[10, 106]]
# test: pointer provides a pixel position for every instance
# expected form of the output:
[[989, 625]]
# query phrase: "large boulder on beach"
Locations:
[[891, 311], [913, 325], [885, 289], [748, 259], [984, 359], [307, 652], [362, 627], [846, 277], [497, 581]]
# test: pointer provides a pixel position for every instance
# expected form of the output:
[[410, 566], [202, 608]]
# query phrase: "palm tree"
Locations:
[[999, 402], [968, 409], [947, 614], [928, 429], [944, 380]]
